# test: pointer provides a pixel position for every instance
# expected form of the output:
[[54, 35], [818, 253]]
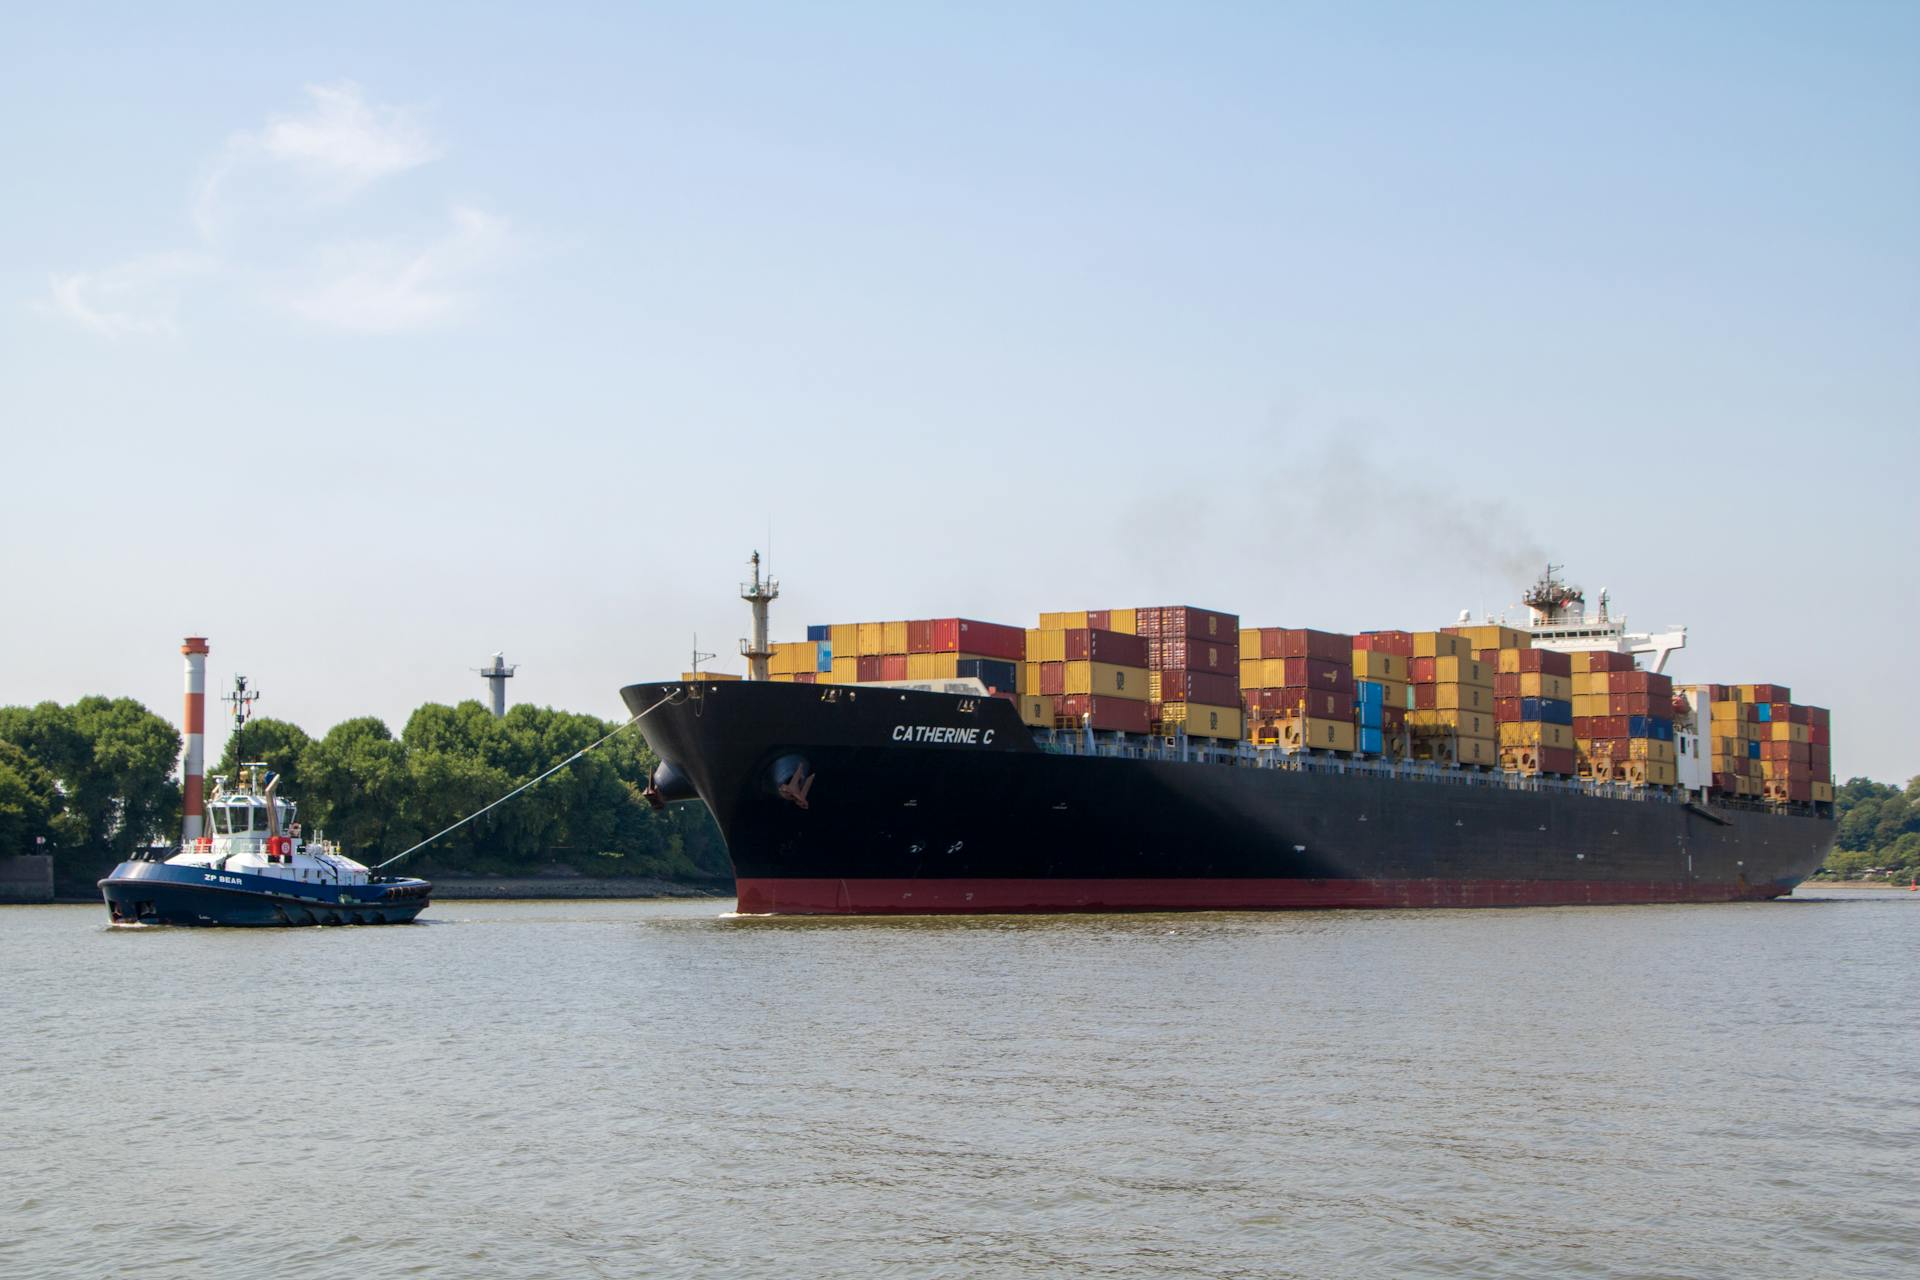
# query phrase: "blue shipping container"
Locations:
[[1765, 712], [1369, 717], [818, 633], [1650, 727], [1370, 693], [1547, 710], [988, 671], [823, 660], [1753, 751], [1370, 742]]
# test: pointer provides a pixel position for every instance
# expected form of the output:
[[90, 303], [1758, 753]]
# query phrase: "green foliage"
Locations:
[[29, 801], [1878, 830], [111, 761]]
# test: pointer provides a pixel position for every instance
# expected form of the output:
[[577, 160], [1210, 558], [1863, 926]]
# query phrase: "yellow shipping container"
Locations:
[[1478, 751], [1589, 704], [1368, 665], [1125, 621], [1045, 645], [706, 677], [845, 639], [1728, 712], [845, 670], [872, 639], [1462, 697], [1538, 684], [1823, 792], [1394, 693], [1320, 735], [1438, 644], [1200, 720], [1036, 710], [894, 636], [1106, 679], [936, 666], [1462, 671], [1489, 636], [1650, 749], [1784, 732], [1029, 677], [1469, 723], [1532, 733], [1071, 621], [1249, 643]]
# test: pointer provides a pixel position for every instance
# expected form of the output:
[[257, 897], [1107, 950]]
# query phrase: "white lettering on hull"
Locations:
[[942, 735]]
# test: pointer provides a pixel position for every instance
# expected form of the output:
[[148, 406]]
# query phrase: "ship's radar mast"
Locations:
[[1552, 600], [758, 594]]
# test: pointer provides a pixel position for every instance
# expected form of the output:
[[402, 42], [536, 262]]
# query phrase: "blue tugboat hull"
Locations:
[[158, 893]]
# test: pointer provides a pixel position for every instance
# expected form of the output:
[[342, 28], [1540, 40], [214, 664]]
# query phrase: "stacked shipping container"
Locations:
[[1452, 716], [1533, 709], [1079, 674], [1382, 691], [1191, 670], [1297, 686]]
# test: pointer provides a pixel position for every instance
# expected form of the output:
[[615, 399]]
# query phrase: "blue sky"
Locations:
[[370, 340]]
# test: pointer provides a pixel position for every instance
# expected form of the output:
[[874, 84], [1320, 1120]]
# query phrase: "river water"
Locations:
[[634, 1088]]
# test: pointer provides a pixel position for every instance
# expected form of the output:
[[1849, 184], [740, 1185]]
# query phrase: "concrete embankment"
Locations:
[[27, 878]]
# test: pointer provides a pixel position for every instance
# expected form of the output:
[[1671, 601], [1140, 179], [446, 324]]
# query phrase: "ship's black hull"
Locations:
[[158, 893], [920, 802]]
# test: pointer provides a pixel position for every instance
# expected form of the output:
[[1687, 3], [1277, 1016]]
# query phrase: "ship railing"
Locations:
[[1124, 746]]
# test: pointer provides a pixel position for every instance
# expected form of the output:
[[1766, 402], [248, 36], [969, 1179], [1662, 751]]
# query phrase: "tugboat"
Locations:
[[242, 860]]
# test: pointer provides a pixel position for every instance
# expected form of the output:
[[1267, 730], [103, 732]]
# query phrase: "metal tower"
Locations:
[[242, 699], [758, 594], [496, 677]]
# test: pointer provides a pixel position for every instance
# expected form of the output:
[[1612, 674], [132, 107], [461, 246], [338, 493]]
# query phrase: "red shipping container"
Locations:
[[1719, 693], [1108, 714], [1489, 656], [868, 668], [1583, 726], [1506, 709], [1290, 702], [1818, 734], [1821, 760], [1114, 647], [1211, 688], [1053, 678], [1600, 660], [1317, 673], [1399, 643], [984, 639], [1819, 718], [1420, 670], [1637, 704], [805, 677], [1179, 653], [1393, 719], [893, 666], [1555, 759], [920, 636], [1508, 686], [1303, 642], [1727, 782], [1169, 621], [1801, 714], [1546, 661], [1772, 693], [1100, 619]]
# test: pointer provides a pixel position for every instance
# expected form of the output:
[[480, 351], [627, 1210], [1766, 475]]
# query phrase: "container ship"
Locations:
[[1167, 758]]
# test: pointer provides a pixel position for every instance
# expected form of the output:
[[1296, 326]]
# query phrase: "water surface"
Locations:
[[607, 1088]]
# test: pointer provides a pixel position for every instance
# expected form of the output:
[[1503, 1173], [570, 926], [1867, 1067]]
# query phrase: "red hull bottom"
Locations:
[[832, 896]]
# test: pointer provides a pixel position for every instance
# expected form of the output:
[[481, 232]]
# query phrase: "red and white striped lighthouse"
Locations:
[[193, 769]]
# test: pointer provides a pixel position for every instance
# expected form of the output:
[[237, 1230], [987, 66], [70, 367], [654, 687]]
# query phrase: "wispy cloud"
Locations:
[[271, 211], [334, 149], [140, 296], [392, 287]]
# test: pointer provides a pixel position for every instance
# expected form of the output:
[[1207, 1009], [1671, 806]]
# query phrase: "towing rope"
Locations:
[[523, 786]]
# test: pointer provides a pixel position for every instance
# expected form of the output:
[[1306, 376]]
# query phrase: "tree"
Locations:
[[29, 801], [112, 760], [357, 786]]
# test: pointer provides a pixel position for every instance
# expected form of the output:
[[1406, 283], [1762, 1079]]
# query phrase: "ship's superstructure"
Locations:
[[1557, 618]]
